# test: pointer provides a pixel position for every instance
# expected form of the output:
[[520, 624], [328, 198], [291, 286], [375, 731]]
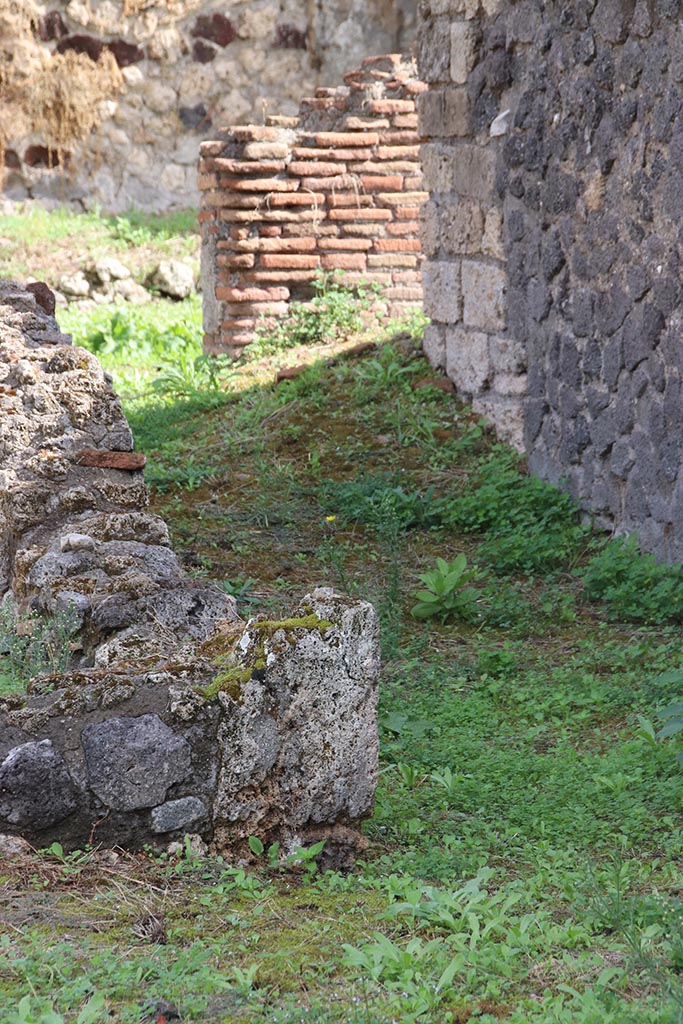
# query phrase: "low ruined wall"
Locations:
[[553, 242], [105, 101], [173, 716], [280, 745], [337, 188]]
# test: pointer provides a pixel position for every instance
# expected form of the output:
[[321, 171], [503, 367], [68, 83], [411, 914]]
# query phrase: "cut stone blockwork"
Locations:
[[175, 717], [553, 240], [338, 188], [465, 282]]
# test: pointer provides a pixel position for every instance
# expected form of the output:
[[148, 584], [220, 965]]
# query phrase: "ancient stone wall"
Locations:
[[337, 188], [106, 100], [171, 714], [553, 239]]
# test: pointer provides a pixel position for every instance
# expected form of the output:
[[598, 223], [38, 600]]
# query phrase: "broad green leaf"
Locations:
[[672, 728], [255, 845]]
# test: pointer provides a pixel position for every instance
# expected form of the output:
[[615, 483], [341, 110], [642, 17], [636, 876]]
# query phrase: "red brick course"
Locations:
[[295, 199], [252, 294], [282, 261], [397, 245], [110, 460], [337, 189], [365, 213], [350, 244], [344, 261]]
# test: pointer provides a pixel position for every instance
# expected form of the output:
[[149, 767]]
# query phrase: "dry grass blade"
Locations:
[[59, 97], [151, 928]]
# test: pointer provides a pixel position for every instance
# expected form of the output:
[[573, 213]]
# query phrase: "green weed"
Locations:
[[49, 226], [335, 311], [530, 526], [201, 377], [633, 586], [372, 499], [31, 645], [138, 227], [446, 594], [50, 243], [41, 1011], [142, 335]]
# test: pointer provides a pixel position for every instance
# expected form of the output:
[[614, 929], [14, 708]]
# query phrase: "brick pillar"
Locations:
[[338, 188]]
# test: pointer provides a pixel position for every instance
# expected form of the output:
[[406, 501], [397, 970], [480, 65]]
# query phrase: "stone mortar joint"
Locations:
[[174, 716]]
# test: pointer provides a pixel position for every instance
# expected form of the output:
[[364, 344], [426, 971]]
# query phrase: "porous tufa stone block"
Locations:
[[443, 292], [299, 737], [468, 362], [463, 47], [484, 287]]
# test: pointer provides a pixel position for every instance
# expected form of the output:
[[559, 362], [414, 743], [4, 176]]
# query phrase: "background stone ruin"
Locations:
[[553, 243], [175, 717], [339, 187], [104, 101]]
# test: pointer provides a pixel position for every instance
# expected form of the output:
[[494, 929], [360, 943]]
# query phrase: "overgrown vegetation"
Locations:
[[634, 586], [525, 852], [333, 312], [47, 244], [446, 595], [529, 526], [31, 645]]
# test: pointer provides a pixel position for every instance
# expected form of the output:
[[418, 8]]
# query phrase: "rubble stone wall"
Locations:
[[553, 240], [187, 67], [337, 188], [173, 716]]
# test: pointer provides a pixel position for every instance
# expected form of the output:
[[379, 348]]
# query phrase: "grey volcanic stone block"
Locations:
[[622, 459], [434, 52], [671, 456], [641, 333], [36, 789], [132, 762], [176, 814], [612, 361]]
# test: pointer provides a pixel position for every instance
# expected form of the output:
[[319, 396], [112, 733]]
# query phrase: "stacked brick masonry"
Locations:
[[338, 188], [583, 284], [188, 66]]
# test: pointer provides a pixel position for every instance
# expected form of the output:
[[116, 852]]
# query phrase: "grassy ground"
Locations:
[[45, 245], [524, 858]]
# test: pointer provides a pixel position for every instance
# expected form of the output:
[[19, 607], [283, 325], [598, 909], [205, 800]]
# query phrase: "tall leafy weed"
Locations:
[[633, 585], [531, 526]]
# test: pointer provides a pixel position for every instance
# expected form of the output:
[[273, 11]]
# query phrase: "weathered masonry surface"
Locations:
[[173, 715], [180, 67], [553, 239], [337, 188]]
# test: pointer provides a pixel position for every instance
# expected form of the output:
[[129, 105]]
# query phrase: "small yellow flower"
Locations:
[[330, 519]]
